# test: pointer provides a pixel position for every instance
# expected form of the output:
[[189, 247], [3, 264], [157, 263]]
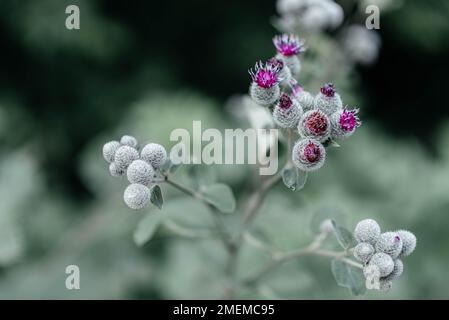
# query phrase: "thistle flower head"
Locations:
[[109, 150], [140, 172], [136, 196], [287, 112], [285, 102], [288, 44], [129, 141], [383, 262], [363, 252], [367, 230], [397, 270], [408, 242], [276, 63], [265, 75], [124, 156], [154, 154], [315, 124], [328, 90], [115, 171], [308, 154], [389, 243], [349, 120]]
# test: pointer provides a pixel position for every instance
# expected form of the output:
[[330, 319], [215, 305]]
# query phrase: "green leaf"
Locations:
[[147, 227], [343, 235], [294, 179], [156, 196], [348, 276], [220, 196]]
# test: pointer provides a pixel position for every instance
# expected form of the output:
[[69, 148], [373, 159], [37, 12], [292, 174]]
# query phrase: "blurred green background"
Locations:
[[147, 67]]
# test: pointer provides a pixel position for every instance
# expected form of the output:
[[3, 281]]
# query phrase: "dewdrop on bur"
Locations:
[[154, 154], [389, 243], [288, 47], [140, 171], [328, 100], [363, 252], [287, 112], [264, 89], [109, 150], [367, 231], [308, 154], [124, 156], [315, 124], [344, 122], [136, 196], [115, 171], [129, 141], [408, 242], [383, 262]]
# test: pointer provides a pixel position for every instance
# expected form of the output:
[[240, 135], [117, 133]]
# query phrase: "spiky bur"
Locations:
[[287, 112], [264, 89], [141, 172], [136, 196], [328, 100], [288, 47], [129, 141], [155, 154], [397, 271], [109, 150], [124, 156], [315, 124], [385, 285], [305, 99], [383, 262], [363, 252], [389, 243], [284, 73], [408, 242], [344, 123], [115, 171], [308, 154], [367, 230]]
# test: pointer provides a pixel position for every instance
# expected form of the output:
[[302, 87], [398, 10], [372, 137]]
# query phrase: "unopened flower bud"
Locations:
[[308, 154], [363, 252], [367, 231], [129, 141], [287, 112], [109, 150], [383, 262], [154, 154], [124, 156], [408, 242], [140, 172], [115, 171], [315, 124], [397, 270], [136, 196], [389, 243], [328, 100], [385, 285]]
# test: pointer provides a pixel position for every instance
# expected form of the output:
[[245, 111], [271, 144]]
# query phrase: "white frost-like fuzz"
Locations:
[[389, 243], [385, 285], [363, 252], [408, 242], [264, 96], [287, 112], [115, 171], [308, 154], [129, 141], [328, 105], [306, 100], [367, 231], [140, 171], [136, 196], [124, 156], [397, 270], [109, 150], [383, 262], [154, 154]]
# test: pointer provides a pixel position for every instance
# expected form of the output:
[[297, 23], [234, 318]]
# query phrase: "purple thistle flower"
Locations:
[[285, 102], [311, 152], [265, 75], [317, 123], [349, 120], [288, 44], [328, 90]]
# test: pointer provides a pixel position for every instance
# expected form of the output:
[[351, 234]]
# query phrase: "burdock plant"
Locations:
[[311, 123]]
